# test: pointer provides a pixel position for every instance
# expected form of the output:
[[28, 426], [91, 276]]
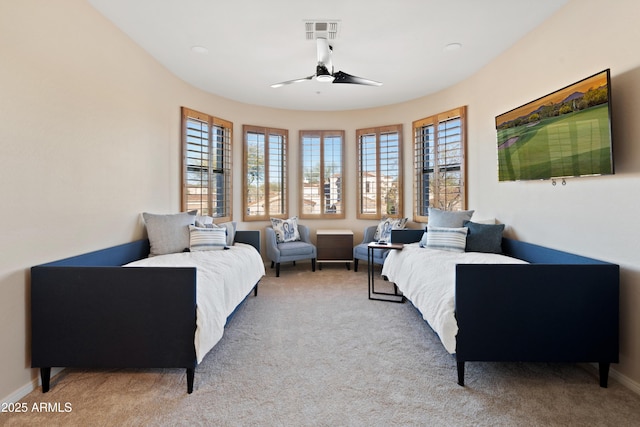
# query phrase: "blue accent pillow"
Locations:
[[484, 237]]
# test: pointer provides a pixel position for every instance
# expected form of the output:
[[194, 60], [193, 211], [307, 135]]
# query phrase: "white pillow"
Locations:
[[286, 229], [205, 220], [207, 239], [447, 239], [168, 233]]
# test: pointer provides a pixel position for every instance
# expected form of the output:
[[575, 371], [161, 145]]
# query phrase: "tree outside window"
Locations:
[[265, 166], [379, 172], [439, 161]]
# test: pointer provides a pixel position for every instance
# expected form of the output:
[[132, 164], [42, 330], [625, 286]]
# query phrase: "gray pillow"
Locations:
[[168, 234], [484, 237], [231, 231], [448, 219]]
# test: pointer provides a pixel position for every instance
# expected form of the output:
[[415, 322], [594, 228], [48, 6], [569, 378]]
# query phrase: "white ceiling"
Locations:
[[254, 43]]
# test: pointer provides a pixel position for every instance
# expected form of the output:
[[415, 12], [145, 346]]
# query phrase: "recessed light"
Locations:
[[199, 49], [452, 46]]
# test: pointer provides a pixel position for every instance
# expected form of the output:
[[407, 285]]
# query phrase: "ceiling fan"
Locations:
[[324, 70]]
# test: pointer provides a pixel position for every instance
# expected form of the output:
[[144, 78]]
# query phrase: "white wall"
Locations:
[[90, 137]]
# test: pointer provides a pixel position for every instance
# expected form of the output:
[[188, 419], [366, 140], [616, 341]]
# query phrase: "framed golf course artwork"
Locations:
[[566, 133]]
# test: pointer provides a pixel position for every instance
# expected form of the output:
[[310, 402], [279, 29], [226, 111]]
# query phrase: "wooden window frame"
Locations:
[[220, 208], [283, 193], [380, 212], [322, 134], [420, 213]]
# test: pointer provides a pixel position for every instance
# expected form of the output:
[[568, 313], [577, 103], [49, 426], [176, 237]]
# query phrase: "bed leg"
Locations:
[[255, 290], [460, 373], [604, 374], [191, 372], [45, 377]]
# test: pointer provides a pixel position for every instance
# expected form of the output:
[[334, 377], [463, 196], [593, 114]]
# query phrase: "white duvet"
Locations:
[[223, 279], [426, 277]]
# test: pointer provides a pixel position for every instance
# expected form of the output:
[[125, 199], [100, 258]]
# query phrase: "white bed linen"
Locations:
[[426, 277], [223, 279]]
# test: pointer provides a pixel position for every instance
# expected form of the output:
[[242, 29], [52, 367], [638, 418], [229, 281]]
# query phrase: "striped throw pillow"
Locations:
[[207, 239], [447, 239]]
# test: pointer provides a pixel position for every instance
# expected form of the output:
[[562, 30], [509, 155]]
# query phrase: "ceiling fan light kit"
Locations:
[[325, 78]]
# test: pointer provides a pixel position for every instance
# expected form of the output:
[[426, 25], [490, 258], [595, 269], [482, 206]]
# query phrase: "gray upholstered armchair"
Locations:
[[360, 251], [290, 251]]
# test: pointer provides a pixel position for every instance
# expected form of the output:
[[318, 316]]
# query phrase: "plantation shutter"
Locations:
[[265, 173], [206, 177], [439, 147], [379, 172]]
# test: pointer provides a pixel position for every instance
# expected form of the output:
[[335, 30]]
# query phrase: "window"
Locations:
[[206, 166], [265, 173], [322, 166], [439, 149], [379, 172]]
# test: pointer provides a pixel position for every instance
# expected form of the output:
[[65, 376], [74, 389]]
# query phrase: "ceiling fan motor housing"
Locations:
[[321, 70]]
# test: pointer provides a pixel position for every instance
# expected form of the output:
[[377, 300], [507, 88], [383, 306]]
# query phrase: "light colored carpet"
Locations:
[[312, 350]]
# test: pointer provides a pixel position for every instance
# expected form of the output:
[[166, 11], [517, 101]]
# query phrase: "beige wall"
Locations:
[[589, 216], [90, 137]]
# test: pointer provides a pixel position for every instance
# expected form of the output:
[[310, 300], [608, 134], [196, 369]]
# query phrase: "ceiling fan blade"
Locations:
[[342, 77], [288, 82]]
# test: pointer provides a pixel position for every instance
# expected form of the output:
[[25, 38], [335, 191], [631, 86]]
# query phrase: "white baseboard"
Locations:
[[622, 379], [28, 388], [625, 381]]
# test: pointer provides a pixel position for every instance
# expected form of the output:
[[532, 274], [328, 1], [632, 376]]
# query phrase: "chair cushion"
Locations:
[[379, 255], [297, 248]]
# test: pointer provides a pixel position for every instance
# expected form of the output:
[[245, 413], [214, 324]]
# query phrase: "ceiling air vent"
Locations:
[[321, 29]]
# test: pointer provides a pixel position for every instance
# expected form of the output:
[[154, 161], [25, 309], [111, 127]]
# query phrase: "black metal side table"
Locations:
[[388, 296]]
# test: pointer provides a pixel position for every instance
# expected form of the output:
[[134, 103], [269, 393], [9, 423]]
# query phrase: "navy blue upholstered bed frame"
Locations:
[[560, 307], [89, 312]]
